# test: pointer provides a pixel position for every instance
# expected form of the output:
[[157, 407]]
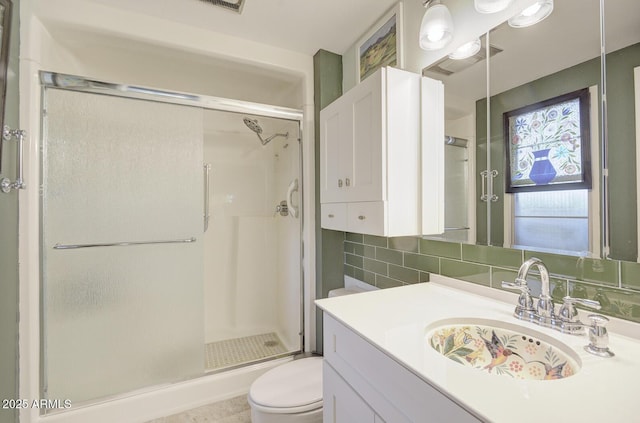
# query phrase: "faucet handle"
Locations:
[[525, 301], [520, 284], [568, 312], [598, 336]]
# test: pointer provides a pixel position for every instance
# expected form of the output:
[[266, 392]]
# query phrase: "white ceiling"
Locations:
[[303, 26]]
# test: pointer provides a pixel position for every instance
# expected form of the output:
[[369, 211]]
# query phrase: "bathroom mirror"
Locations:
[[558, 55]]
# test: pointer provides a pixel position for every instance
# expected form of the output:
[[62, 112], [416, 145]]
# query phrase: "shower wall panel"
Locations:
[[120, 318], [240, 253], [252, 254]]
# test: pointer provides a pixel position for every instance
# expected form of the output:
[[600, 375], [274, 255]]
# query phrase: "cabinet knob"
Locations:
[[361, 217], [347, 182], [331, 216], [339, 183]]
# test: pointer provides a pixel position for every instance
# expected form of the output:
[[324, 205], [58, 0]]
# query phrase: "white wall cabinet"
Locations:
[[362, 384], [382, 156]]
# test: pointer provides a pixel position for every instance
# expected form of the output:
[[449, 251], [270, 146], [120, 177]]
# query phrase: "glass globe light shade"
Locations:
[[436, 29], [532, 14], [466, 50]]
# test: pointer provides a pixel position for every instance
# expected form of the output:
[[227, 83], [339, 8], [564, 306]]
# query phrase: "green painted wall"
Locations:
[[621, 134], [327, 75], [9, 240]]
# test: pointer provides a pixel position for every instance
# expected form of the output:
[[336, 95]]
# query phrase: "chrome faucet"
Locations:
[[544, 312]]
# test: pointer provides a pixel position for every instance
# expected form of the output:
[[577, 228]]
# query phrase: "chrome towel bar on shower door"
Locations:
[[121, 244], [5, 184]]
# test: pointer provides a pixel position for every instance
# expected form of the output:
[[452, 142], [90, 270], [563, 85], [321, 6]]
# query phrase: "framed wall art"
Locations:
[[382, 45], [547, 144]]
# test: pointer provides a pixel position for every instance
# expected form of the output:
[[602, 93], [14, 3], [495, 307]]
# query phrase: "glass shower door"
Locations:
[[122, 261]]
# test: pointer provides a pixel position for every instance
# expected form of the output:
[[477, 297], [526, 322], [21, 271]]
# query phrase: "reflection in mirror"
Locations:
[[464, 83], [622, 42], [557, 56]]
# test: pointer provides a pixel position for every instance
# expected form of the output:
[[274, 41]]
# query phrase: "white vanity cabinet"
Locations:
[[363, 384], [382, 156]]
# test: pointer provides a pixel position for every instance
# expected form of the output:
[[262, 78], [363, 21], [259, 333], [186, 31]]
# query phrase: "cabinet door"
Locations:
[[365, 181], [336, 151], [341, 403]]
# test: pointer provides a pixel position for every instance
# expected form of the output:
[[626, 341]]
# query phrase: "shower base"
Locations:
[[232, 352]]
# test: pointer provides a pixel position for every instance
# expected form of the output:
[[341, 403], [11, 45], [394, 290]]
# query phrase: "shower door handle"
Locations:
[[207, 178], [293, 186], [7, 134]]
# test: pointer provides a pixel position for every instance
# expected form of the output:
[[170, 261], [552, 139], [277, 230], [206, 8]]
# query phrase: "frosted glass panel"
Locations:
[[559, 234], [117, 319], [552, 220], [553, 203]]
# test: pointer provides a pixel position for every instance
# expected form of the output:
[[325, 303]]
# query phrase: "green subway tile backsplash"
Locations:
[[466, 271], [421, 262], [630, 273], [505, 257], [390, 262], [383, 282], [403, 274], [377, 241], [353, 260], [353, 248], [375, 266], [440, 248], [405, 243], [389, 256]]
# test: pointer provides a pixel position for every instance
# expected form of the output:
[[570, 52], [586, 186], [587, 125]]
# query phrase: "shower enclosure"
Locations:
[[170, 237]]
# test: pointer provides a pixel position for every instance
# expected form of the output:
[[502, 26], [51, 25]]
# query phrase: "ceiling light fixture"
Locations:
[[436, 29], [532, 14], [491, 6], [466, 50]]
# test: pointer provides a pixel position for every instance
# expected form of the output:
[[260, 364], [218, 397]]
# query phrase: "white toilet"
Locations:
[[290, 393]]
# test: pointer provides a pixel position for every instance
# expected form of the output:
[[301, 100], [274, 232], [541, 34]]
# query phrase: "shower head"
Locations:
[[255, 127]]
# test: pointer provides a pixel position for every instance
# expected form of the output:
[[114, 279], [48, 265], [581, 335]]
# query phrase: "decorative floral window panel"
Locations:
[[547, 144]]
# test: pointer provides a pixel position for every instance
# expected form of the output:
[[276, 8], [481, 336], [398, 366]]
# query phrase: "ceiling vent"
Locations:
[[233, 5], [449, 66]]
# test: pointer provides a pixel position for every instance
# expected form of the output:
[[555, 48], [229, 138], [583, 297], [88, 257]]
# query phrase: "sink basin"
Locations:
[[503, 349]]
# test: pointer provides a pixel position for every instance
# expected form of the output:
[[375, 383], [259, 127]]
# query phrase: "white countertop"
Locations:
[[395, 320]]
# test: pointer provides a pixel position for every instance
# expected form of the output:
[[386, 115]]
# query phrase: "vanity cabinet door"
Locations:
[[391, 391], [341, 403]]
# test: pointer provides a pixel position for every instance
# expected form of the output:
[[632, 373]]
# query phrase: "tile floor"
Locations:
[[234, 410], [231, 352]]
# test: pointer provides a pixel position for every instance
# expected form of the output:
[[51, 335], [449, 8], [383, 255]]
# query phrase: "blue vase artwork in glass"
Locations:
[[542, 172]]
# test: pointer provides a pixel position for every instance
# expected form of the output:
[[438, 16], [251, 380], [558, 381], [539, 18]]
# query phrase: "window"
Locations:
[[552, 218], [564, 219]]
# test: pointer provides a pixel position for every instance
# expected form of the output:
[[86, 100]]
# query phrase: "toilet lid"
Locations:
[[294, 384]]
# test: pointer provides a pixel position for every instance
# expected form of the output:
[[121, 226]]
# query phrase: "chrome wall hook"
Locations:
[[5, 183]]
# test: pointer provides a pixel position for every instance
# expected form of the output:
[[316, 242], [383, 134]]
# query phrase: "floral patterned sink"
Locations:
[[502, 349]]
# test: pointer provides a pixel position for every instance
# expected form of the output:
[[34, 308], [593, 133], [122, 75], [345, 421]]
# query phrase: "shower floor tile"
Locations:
[[231, 352]]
